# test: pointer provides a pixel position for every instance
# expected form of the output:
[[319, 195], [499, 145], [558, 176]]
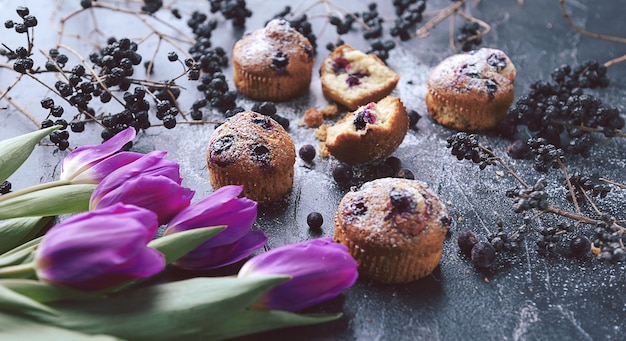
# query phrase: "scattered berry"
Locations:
[[315, 220], [307, 153], [483, 254]]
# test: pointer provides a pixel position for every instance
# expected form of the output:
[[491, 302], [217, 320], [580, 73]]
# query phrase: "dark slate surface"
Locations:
[[524, 296]]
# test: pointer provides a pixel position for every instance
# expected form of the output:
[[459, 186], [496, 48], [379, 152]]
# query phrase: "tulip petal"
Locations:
[[158, 194], [84, 157], [100, 249], [219, 208], [149, 164], [320, 270], [100, 170], [206, 257]]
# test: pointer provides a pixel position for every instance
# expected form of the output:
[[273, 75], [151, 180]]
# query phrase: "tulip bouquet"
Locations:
[[82, 278]]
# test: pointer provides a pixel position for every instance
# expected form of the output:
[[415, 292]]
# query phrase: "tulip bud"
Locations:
[[236, 242], [100, 249], [321, 269]]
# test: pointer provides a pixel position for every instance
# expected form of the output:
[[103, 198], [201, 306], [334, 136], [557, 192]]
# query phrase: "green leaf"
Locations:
[[31, 245], [13, 301], [44, 292], [165, 311], [48, 202], [17, 231], [248, 322], [21, 328], [176, 245], [14, 151], [20, 257]]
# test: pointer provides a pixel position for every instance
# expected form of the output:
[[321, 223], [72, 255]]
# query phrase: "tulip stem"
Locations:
[[35, 188], [18, 271]]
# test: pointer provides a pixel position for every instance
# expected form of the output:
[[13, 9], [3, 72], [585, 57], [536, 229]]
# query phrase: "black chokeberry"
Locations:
[[343, 173], [315, 220], [47, 103], [172, 56], [414, 117], [307, 153], [22, 11], [580, 246], [5, 187], [483, 254], [196, 114], [467, 240]]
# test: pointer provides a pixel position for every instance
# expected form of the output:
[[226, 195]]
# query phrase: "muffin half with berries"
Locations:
[[370, 133], [353, 78], [274, 63], [255, 151], [394, 228]]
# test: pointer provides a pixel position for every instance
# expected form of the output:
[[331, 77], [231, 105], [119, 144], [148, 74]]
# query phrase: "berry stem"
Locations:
[[581, 218], [20, 108], [444, 13], [486, 27], [613, 183], [569, 186], [505, 166], [585, 128], [585, 32]]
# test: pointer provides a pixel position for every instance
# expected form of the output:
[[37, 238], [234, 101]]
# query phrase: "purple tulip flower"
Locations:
[[158, 194], [233, 244], [100, 249], [151, 164], [90, 164], [321, 269]]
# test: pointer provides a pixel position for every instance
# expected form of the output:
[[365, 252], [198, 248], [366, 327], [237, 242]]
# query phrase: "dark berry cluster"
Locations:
[[508, 242], [482, 253], [23, 63], [28, 20], [116, 61], [546, 154], [609, 241], [525, 199], [381, 48], [562, 114], [269, 109], [469, 36], [374, 22], [300, 24], [342, 25], [466, 146], [550, 237], [233, 10], [135, 114], [587, 184], [408, 14], [210, 61], [59, 137]]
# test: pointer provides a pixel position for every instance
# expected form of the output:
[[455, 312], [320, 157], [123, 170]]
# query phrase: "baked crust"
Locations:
[[274, 63], [394, 228], [471, 91], [255, 151], [354, 141], [365, 78]]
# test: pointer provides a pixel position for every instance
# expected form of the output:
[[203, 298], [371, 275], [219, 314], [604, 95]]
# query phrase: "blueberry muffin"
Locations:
[[394, 228], [255, 151], [353, 78], [372, 132], [471, 91], [274, 63]]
